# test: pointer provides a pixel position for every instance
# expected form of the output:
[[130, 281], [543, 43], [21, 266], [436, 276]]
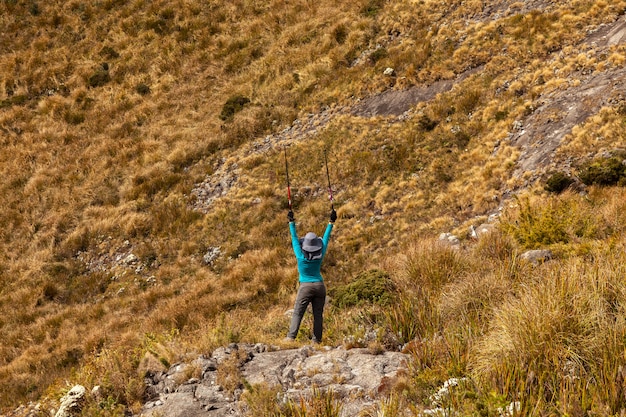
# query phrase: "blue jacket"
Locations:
[[309, 270]]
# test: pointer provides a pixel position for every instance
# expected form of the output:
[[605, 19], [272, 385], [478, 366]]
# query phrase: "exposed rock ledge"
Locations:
[[356, 376]]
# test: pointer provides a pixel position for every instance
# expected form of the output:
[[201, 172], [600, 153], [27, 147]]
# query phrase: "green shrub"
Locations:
[[74, 117], [340, 33], [501, 115], [143, 89], [99, 78], [232, 106], [606, 171], [536, 226], [378, 54], [373, 286], [18, 100], [109, 52], [372, 7], [558, 182], [426, 124]]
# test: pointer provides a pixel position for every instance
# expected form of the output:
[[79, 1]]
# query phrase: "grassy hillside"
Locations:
[[112, 114]]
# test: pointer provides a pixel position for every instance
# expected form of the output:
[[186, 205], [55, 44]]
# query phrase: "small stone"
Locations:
[[211, 255], [537, 256], [130, 259]]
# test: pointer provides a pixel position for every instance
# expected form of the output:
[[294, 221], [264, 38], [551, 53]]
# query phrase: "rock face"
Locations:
[[356, 376], [541, 133]]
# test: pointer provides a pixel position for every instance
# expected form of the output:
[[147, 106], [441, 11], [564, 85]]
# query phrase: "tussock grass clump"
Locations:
[[495, 246], [270, 401], [412, 318], [549, 344], [429, 265], [121, 385]]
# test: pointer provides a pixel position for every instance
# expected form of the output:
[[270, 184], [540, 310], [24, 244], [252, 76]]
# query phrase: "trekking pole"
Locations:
[[330, 189], [287, 172]]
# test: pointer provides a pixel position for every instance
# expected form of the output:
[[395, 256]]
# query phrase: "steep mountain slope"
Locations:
[[141, 151]]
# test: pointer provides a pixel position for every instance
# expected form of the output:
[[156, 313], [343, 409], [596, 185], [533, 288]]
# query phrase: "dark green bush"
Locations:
[[372, 7], [74, 117], [606, 171], [501, 115], [109, 52], [558, 182], [233, 105], [18, 100], [143, 89], [378, 54], [340, 33], [373, 286], [99, 78], [426, 124], [34, 9], [540, 225]]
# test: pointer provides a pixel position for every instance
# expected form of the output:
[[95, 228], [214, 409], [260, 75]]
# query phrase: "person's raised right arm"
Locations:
[[295, 244]]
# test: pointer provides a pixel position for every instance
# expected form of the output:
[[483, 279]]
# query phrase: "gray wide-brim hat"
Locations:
[[311, 242]]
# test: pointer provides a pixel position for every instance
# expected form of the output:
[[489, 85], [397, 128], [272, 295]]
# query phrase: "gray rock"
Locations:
[[355, 376], [484, 229], [211, 255], [537, 256], [72, 403], [450, 239]]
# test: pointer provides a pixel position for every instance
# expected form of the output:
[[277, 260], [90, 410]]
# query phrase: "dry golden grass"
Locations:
[[551, 340], [110, 114]]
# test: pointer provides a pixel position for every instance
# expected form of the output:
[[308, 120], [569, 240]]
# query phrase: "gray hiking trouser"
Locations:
[[314, 293]]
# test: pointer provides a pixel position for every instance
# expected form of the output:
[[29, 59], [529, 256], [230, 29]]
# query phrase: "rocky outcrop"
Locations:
[[355, 376], [539, 135], [215, 186], [72, 402], [398, 102]]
